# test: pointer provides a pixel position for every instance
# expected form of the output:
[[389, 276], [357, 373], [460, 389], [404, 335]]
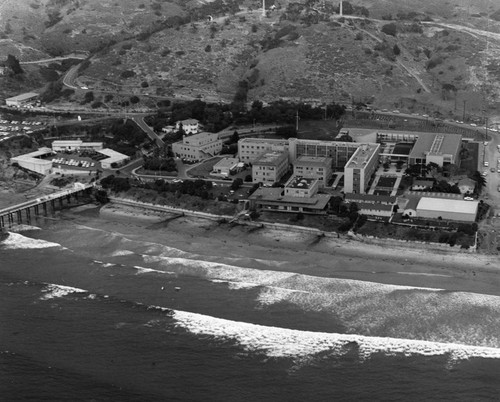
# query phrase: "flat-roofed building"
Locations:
[[250, 149], [438, 148], [75, 145], [270, 167], [339, 152], [360, 168], [447, 209], [114, 159], [34, 161], [22, 99], [197, 147], [274, 199], [225, 167], [314, 167], [378, 206], [298, 186]]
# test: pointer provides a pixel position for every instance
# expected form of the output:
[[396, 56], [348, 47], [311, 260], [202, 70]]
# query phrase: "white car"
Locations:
[[486, 163], [468, 199]]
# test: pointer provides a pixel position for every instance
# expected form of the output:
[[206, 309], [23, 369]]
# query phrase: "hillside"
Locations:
[[395, 54]]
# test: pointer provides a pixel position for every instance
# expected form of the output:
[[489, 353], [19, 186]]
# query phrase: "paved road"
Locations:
[[139, 120]]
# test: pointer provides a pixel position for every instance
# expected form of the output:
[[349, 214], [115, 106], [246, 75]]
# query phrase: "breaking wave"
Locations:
[[295, 344], [52, 291], [18, 241]]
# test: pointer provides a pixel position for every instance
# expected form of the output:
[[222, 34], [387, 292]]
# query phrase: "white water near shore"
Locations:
[[283, 342]]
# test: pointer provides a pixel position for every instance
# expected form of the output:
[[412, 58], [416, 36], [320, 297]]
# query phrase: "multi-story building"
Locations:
[[300, 195], [190, 126], [314, 167], [339, 152], [437, 148], [360, 168], [298, 186], [250, 149], [198, 146], [270, 167]]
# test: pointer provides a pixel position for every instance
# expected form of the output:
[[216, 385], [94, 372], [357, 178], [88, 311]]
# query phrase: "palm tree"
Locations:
[[480, 181]]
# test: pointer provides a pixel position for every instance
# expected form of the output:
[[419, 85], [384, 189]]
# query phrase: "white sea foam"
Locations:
[[18, 241], [424, 274], [142, 270], [53, 291], [236, 285], [295, 344], [119, 253], [23, 228]]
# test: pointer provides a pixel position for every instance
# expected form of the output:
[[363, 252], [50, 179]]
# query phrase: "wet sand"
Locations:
[[388, 262]]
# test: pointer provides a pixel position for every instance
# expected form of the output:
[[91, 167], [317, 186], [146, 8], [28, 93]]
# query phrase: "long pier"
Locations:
[[17, 214]]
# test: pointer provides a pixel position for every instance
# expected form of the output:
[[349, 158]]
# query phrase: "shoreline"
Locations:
[[342, 258], [329, 242]]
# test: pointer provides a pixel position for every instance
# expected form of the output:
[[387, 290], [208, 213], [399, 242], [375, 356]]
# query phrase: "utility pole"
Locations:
[[263, 8], [297, 121], [465, 101]]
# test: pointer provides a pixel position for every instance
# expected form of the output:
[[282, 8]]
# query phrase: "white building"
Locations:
[[22, 99], [198, 146], [75, 145], [298, 186], [190, 126], [250, 149], [34, 162], [314, 167], [270, 167], [225, 167], [114, 159], [360, 168], [447, 209]]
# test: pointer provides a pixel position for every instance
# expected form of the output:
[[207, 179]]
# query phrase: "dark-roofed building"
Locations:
[[273, 199], [381, 206]]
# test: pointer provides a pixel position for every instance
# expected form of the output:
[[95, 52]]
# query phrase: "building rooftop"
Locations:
[[436, 144], [448, 205], [264, 140], [300, 182], [21, 97], [388, 199], [362, 155], [269, 158], [226, 163], [320, 161], [113, 156], [274, 196]]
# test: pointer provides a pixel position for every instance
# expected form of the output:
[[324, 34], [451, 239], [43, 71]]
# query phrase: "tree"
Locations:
[[480, 181], [134, 99], [14, 65], [236, 184], [390, 29], [396, 50]]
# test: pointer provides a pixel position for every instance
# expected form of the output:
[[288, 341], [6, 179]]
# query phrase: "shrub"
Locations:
[[390, 29], [208, 48], [127, 74]]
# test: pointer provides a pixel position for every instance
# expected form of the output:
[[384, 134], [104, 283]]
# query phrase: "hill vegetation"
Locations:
[[393, 54]]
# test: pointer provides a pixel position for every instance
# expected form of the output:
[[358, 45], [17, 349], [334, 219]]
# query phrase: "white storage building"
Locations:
[[447, 209]]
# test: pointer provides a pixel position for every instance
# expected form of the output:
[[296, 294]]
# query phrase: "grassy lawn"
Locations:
[[325, 130]]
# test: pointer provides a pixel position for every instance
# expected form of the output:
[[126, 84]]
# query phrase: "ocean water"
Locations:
[[106, 310]]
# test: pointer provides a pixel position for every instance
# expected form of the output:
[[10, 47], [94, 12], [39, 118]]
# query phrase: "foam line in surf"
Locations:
[[52, 291], [18, 241], [289, 343]]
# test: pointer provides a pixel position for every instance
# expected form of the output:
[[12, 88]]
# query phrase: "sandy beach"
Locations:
[[382, 261]]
